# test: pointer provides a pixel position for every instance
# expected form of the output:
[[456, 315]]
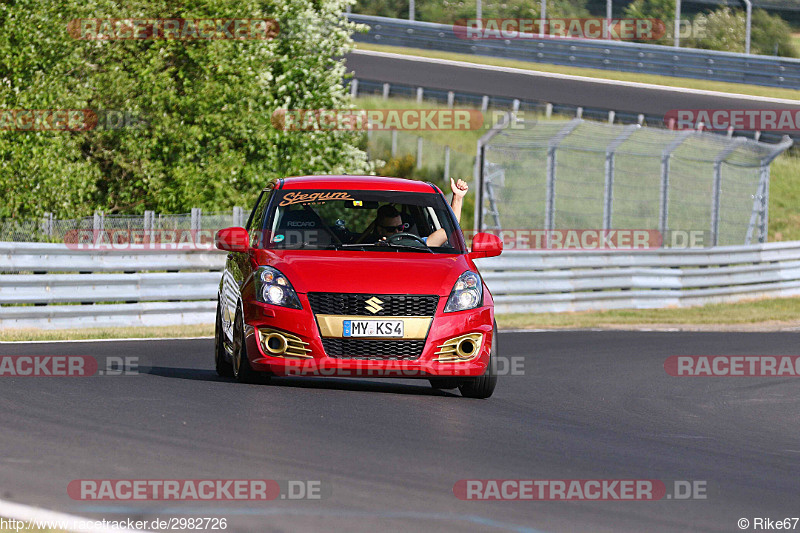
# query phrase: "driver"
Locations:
[[388, 220]]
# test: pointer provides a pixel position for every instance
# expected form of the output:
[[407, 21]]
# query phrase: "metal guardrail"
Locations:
[[520, 280], [607, 55], [51, 286], [559, 281]]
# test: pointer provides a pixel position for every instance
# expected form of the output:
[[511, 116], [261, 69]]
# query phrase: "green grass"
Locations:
[[753, 314], [773, 313], [796, 40], [784, 207], [668, 81], [784, 199], [202, 330]]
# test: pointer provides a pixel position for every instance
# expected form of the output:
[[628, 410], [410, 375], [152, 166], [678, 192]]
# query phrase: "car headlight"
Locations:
[[274, 288], [467, 293]]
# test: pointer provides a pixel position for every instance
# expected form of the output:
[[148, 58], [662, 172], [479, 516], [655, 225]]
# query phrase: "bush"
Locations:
[[724, 29], [205, 140]]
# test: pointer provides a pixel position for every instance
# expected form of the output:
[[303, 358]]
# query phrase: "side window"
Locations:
[[256, 217]]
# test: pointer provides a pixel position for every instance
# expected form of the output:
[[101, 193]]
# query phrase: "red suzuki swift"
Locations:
[[356, 276]]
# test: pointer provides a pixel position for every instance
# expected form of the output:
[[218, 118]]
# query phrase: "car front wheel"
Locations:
[[242, 370], [483, 386], [221, 363]]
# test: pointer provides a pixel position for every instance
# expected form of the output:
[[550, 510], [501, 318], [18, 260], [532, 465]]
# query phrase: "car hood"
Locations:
[[368, 272]]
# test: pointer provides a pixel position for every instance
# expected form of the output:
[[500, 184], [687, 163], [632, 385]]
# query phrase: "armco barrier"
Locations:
[[608, 55], [557, 281], [127, 289], [105, 288]]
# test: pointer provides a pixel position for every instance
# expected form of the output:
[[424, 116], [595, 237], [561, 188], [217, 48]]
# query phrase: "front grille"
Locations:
[[380, 350], [332, 303]]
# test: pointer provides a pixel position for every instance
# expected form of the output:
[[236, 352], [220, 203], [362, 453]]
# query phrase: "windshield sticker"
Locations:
[[357, 203], [300, 198], [278, 238]]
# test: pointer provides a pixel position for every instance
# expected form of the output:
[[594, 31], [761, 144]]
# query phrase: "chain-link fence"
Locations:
[[577, 174], [50, 229]]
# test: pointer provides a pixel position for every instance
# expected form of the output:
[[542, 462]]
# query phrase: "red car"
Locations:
[[356, 276]]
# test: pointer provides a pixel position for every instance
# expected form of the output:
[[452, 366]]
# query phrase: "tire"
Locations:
[[242, 370], [482, 387], [444, 383], [223, 366]]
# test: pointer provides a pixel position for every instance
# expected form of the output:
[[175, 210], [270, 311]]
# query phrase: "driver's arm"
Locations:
[[439, 237]]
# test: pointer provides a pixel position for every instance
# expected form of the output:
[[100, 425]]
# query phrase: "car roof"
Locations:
[[371, 183]]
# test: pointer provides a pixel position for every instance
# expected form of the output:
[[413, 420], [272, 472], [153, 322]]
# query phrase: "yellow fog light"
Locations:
[[461, 348], [281, 344]]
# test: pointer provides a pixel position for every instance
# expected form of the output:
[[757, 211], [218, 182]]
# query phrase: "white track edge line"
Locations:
[[26, 513]]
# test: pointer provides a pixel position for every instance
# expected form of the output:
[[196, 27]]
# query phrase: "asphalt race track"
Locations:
[[544, 87], [589, 405]]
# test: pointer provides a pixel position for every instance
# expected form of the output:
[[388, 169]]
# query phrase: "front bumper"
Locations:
[[303, 324]]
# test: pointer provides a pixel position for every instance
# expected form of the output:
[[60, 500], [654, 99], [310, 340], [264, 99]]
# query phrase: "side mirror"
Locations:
[[232, 240], [486, 245]]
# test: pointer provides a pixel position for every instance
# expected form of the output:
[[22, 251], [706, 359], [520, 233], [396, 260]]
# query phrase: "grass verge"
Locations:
[[201, 330], [763, 314], [766, 314], [668, 81]]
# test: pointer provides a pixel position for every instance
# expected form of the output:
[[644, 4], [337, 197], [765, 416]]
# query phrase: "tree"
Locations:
[[663, 10], [724, 29], [204, 137]]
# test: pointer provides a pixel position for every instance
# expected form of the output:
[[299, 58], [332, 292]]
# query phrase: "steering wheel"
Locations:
[[399, 236]]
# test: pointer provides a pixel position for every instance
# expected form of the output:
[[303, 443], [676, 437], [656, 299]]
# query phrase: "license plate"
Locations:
[[372, 328]]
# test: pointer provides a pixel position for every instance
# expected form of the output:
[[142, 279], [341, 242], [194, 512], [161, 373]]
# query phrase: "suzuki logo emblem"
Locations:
[[374, 305]]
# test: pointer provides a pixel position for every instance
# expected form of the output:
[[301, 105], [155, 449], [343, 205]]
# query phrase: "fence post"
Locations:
[[47, 224], [148, 225], [98, 222], [550, 193], [237, 216], [761, 198], [663, 211], [385, 91], [608, 188], [451, 97], [484, 103], [419, 153], [419, 94], [480, 167], [717, 187], [548, 110], [353, 86], [394, 143], [197, 221], [446, 165]]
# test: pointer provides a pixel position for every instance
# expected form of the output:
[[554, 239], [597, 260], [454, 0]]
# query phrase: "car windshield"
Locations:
[[382, 221]]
